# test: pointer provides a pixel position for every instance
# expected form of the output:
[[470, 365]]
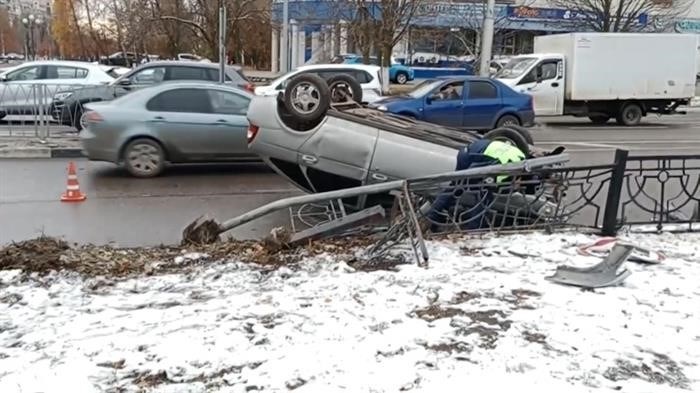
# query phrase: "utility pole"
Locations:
[[284, 51], [222, 44], [487, 38]]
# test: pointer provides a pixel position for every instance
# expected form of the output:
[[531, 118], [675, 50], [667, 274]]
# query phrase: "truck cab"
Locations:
[[542, 77]]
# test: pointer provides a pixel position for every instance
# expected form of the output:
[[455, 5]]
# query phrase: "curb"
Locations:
[[41, 152]]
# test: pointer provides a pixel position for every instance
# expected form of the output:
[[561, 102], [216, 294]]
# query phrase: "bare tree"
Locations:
[[623, 15]]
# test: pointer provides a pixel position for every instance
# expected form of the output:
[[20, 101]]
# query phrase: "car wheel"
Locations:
[[630, 115], [144, 158], [344, 88], [307, 97], [507, 120], [401, 78], [599, 119], [524, 132], [79, 119], [509, 136]]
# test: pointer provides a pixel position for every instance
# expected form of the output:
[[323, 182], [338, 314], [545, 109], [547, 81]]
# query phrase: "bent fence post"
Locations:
[[513, 168], [612, 204]]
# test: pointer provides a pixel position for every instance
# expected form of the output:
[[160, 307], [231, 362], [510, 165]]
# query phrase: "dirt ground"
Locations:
[[45, 254]]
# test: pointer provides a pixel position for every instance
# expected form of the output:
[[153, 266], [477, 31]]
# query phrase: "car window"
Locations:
[[181, 100], [228, 103], [547, 70], [62, 72], [148, 76], [361, 76], [188, 73], [24, 74], [482, 90], [449, 92]]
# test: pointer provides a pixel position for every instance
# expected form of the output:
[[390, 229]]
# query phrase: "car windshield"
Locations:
[[423, 88], [516, 67]]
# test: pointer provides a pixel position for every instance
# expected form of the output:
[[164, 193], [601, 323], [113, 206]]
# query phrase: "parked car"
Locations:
[[398, 73], [368, 76], [471, 102], [335, 147], [30, 84], [173, 122], [68, 104]]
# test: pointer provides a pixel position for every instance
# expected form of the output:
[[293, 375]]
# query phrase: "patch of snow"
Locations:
[[481, 317]]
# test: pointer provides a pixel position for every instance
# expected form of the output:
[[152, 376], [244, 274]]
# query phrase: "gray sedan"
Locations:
[[178, 122]]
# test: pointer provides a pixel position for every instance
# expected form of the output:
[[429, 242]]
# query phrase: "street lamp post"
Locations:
[[30, 22]]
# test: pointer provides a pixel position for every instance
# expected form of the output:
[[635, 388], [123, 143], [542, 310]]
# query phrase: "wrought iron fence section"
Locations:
[[661, 190]]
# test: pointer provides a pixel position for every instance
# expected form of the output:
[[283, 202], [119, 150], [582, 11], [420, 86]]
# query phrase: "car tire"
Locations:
[[401, 78], [509, 136], [344, 88], [144, 157], [507, 120], [77, 118], [524, 132], [630, 115], [307, 97], [599, 119]]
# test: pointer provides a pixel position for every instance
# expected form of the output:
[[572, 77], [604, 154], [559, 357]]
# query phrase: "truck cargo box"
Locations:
[[611, 66]]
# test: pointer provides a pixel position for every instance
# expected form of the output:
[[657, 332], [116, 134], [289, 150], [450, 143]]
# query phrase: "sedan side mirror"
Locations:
[[3, 78], [429, 99], [125, 82]]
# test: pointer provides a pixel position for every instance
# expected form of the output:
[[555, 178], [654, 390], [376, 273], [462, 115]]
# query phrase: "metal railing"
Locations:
[[31, 109]]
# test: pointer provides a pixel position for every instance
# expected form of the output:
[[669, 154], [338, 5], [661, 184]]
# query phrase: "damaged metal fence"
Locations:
[[539, 193]]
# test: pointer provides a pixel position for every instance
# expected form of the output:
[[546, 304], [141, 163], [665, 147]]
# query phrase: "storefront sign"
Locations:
[[556, 14]]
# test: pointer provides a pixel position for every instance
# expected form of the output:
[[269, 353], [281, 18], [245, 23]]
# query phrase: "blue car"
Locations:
[[398, 73], [470, 102]]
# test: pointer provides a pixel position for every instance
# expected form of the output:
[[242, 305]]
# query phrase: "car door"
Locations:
[[482, 105], [183, 119], [231, 124], [18, 89], [444, 104], [338, 154], [545, 83]]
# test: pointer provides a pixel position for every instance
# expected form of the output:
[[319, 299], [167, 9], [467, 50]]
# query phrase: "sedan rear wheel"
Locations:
[[144, 158]]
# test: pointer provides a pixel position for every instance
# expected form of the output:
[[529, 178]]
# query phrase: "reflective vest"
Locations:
[[504, 153]]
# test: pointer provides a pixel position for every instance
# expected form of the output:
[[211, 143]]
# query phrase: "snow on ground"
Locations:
[[479, 318]]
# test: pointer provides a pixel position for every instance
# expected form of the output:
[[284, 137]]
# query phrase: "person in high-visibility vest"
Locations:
[[480, 153]]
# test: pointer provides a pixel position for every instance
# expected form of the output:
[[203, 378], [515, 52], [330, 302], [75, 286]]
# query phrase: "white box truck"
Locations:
[[624, 76]]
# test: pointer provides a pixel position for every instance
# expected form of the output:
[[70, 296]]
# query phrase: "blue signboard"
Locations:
[[556, 14]]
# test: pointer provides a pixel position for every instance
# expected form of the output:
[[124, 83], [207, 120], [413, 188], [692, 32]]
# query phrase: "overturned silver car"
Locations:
[[316, 136]]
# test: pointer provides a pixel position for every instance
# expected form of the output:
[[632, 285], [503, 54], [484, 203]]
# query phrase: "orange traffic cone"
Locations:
[[72, 193]]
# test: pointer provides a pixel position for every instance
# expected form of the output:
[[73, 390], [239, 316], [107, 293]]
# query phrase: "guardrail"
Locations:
[[32, 109]]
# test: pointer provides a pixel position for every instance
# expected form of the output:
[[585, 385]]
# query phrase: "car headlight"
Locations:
[[382, 108], [62, 96]]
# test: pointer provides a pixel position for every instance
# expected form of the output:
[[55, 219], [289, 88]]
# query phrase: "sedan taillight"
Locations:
[[250, 87], [252, 132], [93, 117]]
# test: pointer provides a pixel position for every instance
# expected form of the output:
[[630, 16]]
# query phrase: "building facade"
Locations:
[[319, 29]]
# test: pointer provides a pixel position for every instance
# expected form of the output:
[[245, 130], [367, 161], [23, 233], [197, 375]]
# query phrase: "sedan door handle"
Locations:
[[379, 177], [555, 84], [158, 119], [221, 122], [309, 159]]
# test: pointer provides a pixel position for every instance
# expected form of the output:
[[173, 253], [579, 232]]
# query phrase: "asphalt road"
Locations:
[[130, 212]]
